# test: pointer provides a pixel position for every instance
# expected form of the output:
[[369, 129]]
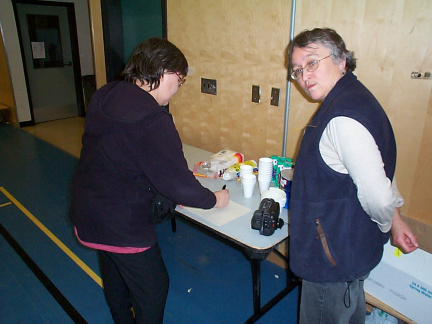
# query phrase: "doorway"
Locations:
[[49, 46]]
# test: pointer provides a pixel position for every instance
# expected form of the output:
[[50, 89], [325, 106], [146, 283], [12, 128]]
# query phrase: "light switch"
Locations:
[[256, 93], [274, 98]]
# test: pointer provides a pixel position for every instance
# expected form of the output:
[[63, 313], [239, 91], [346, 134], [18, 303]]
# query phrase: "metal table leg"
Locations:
[[292, 282], [256, 285]]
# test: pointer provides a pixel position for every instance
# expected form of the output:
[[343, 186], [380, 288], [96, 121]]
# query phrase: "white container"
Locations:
[[404, 282], [277, 194]]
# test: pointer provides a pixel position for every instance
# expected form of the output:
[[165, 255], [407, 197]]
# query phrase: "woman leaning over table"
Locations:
[[344, 197], [130, 144]]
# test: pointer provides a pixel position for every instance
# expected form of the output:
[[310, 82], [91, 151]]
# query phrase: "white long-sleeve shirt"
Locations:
[[347, 147]]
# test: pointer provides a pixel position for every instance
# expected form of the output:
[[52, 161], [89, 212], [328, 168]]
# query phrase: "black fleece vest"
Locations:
[[324, 197]]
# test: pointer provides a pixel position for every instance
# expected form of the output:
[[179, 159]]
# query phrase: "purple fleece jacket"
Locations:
[[130, 143]]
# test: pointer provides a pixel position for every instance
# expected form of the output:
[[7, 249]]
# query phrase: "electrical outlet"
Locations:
[[274, 98], [415, 75], [256, 93], [418, 75], [208, 86]]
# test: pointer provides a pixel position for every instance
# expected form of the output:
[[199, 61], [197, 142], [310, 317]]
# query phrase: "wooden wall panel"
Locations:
[[238, 43], [243, 42]]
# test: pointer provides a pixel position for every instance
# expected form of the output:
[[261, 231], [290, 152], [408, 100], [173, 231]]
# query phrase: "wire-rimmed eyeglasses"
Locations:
[[181, 80], [310, 67]]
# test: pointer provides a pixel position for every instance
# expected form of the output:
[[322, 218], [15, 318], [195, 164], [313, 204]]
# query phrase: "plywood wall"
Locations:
[[238, 43], [243, 42]]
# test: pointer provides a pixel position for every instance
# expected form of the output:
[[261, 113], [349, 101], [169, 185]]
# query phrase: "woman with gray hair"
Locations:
[[344, 199]]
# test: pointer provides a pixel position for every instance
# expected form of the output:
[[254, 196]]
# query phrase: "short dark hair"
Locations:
[[330, 39], [151, 59]]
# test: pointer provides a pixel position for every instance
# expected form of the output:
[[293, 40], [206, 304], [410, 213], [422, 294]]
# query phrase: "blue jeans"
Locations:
[[333, 303], [138, 280]]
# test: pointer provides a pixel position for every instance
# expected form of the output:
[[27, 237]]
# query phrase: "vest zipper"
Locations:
[[324, 241]]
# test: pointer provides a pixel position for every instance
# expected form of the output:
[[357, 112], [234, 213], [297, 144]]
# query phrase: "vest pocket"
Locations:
[[324, 243]]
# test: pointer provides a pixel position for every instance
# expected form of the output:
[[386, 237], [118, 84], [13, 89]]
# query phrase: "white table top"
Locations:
[[233, 221]]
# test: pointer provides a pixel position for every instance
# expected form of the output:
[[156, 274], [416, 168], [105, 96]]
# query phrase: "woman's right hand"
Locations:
[[222, 198]]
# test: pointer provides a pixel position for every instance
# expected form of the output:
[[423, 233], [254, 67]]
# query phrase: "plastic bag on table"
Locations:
[[233, 172], [216, 165]]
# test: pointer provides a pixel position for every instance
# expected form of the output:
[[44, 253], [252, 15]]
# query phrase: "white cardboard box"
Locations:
[[404, 282]]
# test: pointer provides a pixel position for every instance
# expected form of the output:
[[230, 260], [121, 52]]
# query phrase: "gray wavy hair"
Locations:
[[330, 39]]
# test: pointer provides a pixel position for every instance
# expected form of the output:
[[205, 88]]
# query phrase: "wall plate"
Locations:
[[274, 98], [208, 86], [418, 75], [256, 93]]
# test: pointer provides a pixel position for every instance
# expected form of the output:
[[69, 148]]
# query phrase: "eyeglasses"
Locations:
[[181, 80], [310, 67]]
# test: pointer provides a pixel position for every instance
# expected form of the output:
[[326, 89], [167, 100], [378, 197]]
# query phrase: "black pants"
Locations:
[[138, 280]]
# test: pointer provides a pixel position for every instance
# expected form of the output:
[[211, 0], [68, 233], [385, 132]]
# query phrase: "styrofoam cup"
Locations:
[[264, 184], [248, 182], [246, 168], [265, 160], [265, 168]]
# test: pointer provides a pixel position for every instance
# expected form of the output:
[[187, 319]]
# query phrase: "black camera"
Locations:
[[266, 218]]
